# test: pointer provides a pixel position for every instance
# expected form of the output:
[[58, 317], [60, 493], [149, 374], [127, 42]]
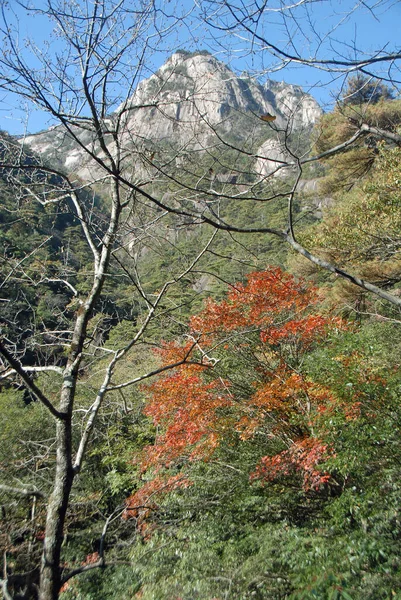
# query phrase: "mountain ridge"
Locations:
[[193, 102]]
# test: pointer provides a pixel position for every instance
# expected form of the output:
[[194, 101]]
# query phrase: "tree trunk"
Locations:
[[50, 574]]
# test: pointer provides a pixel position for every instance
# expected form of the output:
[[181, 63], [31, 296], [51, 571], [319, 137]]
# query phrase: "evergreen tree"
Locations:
[[361, 89]]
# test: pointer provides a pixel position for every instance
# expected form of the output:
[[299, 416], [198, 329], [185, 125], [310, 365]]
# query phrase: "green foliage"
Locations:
[[23, 425], [116, 583], [221, 537], [347, 168], [360, 231], [361, 89], [26, 461]]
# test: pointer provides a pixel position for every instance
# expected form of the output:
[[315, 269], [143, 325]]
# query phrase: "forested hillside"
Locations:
[[200, 322]]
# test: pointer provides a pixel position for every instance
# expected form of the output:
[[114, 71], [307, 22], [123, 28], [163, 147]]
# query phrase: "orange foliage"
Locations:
[[303, 456], [195, 407], [172, 352], [303, 331], [186, 406], [267, 294], [286, 401]]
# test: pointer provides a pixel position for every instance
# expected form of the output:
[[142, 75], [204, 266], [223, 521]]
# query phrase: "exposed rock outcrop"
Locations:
[[193, 102], [273, 158]]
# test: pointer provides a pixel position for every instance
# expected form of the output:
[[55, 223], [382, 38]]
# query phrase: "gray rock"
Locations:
[[194, 102], [274, 159]]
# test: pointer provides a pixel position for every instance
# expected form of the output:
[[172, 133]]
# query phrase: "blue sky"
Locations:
[[371, 30]]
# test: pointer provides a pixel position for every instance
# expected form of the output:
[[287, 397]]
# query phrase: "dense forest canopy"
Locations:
[[200, 298]]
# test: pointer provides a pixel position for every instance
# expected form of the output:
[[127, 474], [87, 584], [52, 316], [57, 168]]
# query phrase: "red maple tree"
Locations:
[[248, 381]]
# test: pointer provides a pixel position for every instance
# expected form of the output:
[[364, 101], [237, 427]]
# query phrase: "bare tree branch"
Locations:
[[17, 367], [21, 491]]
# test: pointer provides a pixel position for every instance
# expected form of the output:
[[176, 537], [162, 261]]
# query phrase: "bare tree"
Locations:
[[101, 50], [307, 34], [86, 82], [46, 186]]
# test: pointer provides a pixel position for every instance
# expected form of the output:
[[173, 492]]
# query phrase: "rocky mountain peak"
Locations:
[[190, 100]]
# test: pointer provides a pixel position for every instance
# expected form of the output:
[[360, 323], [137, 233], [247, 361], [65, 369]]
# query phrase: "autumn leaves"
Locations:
[[257, 390]]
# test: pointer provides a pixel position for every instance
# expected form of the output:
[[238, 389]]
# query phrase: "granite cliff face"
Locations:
[[194, 102], [196, 92]]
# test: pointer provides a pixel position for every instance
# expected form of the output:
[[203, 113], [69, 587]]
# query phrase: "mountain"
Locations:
[[193, 102]]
